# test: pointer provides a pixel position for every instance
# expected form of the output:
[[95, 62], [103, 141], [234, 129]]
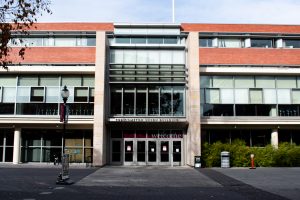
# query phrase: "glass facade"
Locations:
[[145, 100], [40, 95], [46, 145], [250, 95], [6, 145]]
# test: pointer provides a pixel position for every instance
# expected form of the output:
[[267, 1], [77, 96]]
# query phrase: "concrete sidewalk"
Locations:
[[281, 181]]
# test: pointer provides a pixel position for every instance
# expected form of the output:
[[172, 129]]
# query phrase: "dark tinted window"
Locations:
[[264, 43], [292, 43], [205, 42]]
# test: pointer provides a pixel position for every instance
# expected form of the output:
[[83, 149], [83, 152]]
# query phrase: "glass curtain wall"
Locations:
[[6, 145], [46, 145], [250, 95], [147, 100]]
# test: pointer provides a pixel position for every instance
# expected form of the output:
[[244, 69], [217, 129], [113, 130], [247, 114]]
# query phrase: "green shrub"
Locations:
[[286, 155]]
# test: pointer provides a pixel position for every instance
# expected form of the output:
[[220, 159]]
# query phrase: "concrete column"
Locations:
[[274, 138], [193, 98], [99, 135], [17, 150]]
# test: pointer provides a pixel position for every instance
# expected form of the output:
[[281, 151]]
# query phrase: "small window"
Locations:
[[230, 42], [138, 40], [205, 42], [80, 94], [123, 40], [292, 43], [37, 94], [170, 40], [155, 40], [262, 43]]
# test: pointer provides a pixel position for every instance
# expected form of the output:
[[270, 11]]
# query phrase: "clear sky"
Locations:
[[160, 11]]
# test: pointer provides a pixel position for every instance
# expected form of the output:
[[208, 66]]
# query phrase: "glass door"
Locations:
[[164, 153], [116, 151], [177, 152], [141, 152], [128, 151], [152, 153]]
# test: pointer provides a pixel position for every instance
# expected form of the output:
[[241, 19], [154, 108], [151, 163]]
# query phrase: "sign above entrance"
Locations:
[[147, 120]]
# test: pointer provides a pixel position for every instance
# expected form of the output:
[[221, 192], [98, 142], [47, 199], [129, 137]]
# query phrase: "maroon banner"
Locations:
[[62, 112]]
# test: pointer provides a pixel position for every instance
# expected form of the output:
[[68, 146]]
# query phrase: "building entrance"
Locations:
[[162, 149]]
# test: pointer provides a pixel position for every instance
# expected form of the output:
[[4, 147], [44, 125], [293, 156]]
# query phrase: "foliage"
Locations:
[[287, 155], [16, 17]]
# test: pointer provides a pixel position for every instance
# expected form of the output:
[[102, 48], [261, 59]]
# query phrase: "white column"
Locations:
[[99, 135], [17, 137], [193, 93], [274, 138]]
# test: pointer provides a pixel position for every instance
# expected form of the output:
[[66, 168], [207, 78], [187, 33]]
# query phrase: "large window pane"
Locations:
[[245, 110], [52, 94], [138, 40], [141, 95], [222, 82], [292, 43], [7, 81], [71, 81], [129, 56], [116, 56], [165, 101], [28, 81], [283, 96], [296, 96], [88, 81], [269, 96], [116, 102], [65, 42], [153, 101], [241, 96], [212, 96], [205, 81], [263, 43], [256, 96], [178, 101], [286, 82], [142, 57], [244, 82], [230, 43], [166, 57], [9, 94], [178, 57], [153, 57], [49, 81], [23, 94], [227, 96], [205, 42], [128, 102], [265, 81]]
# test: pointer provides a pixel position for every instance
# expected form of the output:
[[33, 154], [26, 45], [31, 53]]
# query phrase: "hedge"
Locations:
[[287, 155]]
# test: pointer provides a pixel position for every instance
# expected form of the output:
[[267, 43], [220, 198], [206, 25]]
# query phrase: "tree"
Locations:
[[16, 18]]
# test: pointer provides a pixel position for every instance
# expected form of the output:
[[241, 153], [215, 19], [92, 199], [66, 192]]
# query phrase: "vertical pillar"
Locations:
[[99, 135], [17, 137], [274, 138], [193, 110]]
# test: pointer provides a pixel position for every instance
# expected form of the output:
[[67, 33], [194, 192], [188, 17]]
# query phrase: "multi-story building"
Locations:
[[148, 94]]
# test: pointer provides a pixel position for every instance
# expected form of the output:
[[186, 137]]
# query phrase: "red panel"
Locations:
[[56, 55], [250, 56], [73, 26], [241, 28]]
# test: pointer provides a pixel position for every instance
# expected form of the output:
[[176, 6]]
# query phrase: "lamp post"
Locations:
[[63, 111]]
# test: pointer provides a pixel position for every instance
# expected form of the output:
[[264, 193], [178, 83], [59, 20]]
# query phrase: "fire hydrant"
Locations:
[[252, 161]]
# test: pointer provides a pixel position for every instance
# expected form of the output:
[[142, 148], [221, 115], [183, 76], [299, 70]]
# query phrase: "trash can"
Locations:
[[225, 159], [197, 161]]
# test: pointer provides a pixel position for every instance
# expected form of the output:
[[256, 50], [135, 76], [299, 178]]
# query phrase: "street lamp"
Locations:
[[63, 111]]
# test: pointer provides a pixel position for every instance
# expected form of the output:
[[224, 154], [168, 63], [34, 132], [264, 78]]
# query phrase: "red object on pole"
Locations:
[[62, 113], [252, 162]]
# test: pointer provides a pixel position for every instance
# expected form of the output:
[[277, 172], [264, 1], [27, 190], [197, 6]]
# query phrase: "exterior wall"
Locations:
[[193, 111], [99, 138], [249, 56], [55, 55], [241, 28]]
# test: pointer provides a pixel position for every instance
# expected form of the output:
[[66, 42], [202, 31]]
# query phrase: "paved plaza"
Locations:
[[32, 182]]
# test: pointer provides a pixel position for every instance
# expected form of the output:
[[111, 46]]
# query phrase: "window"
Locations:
[[155, 40], [205, 81], [222, 82], [205, 42], [65, 42], [227, 96], [122, 40], [230, 43], [241, 96], [262, 43], [256, 96], [212, 96], [283, 96], [244, 82], [80, 94], [138, 40], [265, 81], [291, 43], [170, 40], [37, 94], [286, 82]]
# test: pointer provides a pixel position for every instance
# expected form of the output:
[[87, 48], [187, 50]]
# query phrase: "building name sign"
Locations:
[[176, 135], [145, 120]]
